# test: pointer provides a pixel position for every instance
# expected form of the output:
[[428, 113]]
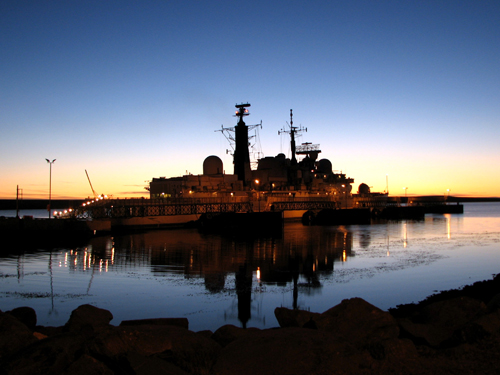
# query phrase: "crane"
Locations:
[[93, 191]]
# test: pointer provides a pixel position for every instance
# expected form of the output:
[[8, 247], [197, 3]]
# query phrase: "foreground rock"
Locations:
[[453, 334]]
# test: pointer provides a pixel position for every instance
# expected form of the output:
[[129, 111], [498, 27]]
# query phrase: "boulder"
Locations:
[[49, 331], [436, 323], [142, 365], [228, 333], [87, 365], [291, 351], [179, 322], [52, 355], [357, 321], [26, 315], [295, 318], [494, 303], [490, 322], [183, 348], [88, 318], [14, 335]]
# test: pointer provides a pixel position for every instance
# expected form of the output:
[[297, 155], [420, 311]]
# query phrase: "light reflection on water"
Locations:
[[214, 280]]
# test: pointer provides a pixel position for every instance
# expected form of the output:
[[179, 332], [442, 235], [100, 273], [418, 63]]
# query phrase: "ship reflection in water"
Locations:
[[240, 265], [214, 280]]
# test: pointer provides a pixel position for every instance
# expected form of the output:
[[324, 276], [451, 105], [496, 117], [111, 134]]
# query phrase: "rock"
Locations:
[[179, 322], [26, 315], [206, 333], [49, 331], [291, 351], [494, 303], [142, 365], [39, 336], [357, 321], [50, 356], [228, 333], [183, 348], [294, 318], [490, 322], [453, 312], [87, 365], [469, 333], [14, 335], [89, 318], [436, 323]]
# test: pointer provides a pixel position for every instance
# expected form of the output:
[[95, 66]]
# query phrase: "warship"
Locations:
[[291, 185], [278, 188]]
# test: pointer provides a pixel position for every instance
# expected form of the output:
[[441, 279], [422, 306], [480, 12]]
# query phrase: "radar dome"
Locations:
[[325, 166], [363, 189], [212, 165]]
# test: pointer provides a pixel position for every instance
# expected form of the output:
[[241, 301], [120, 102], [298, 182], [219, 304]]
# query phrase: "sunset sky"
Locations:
[[404, 91]]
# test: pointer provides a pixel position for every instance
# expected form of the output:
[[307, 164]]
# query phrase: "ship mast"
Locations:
[[293, 130], [240, 143], [241, 154]]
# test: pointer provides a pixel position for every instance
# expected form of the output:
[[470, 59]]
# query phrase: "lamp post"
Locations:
[[257, 182], [406, 189], [50, 183], [345, 195]]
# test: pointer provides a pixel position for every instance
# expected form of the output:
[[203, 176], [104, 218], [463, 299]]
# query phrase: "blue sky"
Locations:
[[131, 90]]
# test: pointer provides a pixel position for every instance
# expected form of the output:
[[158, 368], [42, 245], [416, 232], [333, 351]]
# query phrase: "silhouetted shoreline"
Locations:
[[456, 331]]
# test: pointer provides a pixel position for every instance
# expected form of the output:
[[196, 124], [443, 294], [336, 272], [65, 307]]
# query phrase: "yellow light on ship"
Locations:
[[258, 273]]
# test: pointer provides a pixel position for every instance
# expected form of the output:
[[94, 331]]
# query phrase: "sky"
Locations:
[[398, 94]]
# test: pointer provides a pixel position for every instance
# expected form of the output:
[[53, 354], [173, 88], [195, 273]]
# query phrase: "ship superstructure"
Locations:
[[276, 178]]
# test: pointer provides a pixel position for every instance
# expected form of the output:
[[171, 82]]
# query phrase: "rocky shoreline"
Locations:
[[453, 332]]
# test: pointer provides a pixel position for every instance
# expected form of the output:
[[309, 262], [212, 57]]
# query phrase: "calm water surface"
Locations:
[[214, 280]]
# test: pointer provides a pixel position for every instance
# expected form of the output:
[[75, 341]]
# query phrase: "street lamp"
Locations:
[[50, 182], [257, 182], [345, 195]]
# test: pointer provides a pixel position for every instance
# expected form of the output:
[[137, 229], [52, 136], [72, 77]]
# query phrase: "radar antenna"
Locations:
[[229, 133], [239, 141]]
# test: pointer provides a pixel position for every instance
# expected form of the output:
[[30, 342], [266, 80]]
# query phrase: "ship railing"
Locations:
[[123, 209], [304, 205]]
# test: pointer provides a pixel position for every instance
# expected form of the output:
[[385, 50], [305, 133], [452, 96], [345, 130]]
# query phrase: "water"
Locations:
[[214, 280], [37, 214]]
